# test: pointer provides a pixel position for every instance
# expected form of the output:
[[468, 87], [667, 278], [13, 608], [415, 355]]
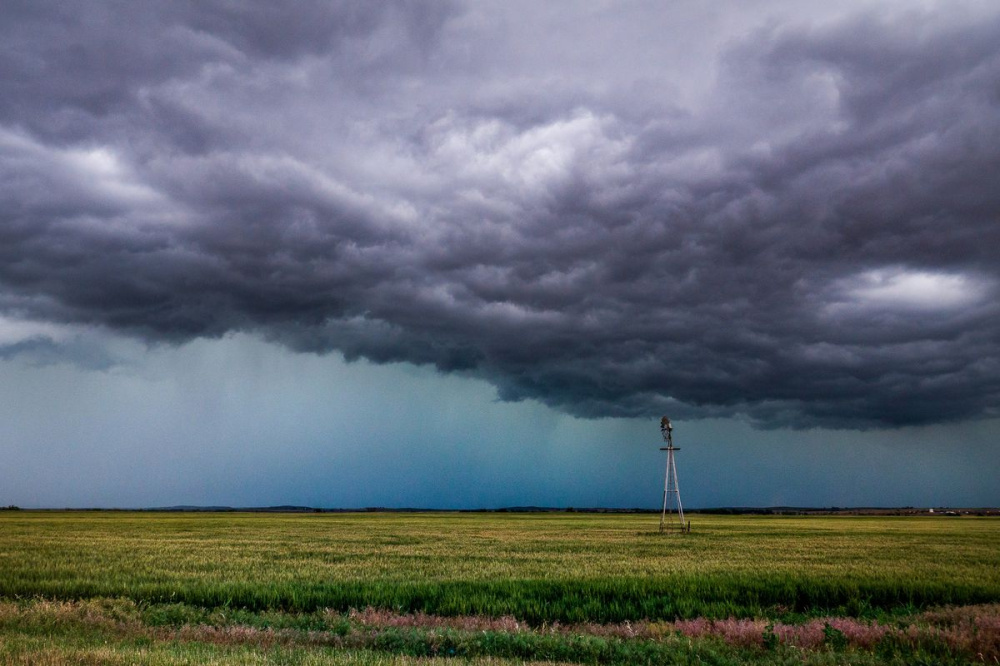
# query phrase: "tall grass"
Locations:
[[538, 568]]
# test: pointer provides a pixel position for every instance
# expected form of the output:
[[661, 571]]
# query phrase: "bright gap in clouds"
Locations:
[[914, 289]]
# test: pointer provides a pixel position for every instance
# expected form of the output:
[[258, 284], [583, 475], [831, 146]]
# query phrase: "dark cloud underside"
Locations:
[[798, 222]]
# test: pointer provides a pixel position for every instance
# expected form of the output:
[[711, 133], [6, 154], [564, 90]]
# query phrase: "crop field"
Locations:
[[500, 588]]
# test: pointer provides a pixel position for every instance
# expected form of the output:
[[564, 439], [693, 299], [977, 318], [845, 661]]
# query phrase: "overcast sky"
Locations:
[[466, 254]]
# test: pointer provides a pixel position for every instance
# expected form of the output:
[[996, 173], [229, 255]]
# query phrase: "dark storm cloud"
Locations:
[[797, 222]]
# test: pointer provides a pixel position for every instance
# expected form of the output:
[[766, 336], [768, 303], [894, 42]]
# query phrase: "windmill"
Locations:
[[669, 520]]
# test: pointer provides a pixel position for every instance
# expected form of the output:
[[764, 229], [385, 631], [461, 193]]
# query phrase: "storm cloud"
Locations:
[[773, 211]]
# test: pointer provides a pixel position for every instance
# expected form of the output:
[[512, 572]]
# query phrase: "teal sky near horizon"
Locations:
[[239, 422]]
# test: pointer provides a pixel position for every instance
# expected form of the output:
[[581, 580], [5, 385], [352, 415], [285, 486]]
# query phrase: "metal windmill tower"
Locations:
[[671, 491]]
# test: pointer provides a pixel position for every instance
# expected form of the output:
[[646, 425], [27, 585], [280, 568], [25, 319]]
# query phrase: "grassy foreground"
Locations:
[[280, 588]]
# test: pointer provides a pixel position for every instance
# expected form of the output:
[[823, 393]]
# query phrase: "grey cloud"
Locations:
[[807, 238]]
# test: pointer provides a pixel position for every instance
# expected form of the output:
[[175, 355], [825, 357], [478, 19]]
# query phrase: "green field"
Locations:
[[305, 573]]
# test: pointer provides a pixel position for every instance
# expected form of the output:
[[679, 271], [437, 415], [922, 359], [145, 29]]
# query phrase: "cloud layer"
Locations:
[[614, 210]]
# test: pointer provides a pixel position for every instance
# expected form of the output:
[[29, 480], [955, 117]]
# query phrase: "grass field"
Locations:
[[774, 581]]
